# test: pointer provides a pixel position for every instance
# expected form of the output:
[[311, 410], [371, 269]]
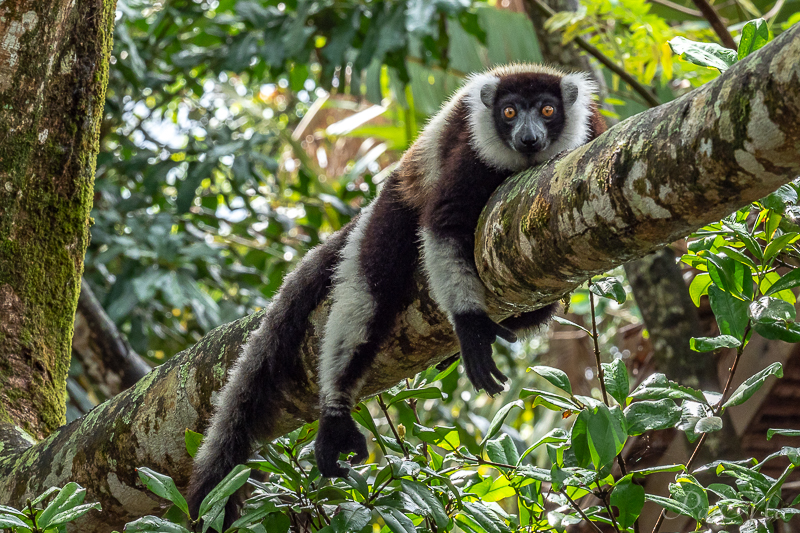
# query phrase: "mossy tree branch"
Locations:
[[647, 182]]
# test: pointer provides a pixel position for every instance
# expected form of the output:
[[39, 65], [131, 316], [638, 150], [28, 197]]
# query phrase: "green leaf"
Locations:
[[493, 489], [152, 524], [708, 424], [555, 435], [692, 496], [785, 432], [748, 240], [9, 521], [778, 244], [598, 436], [564, 322], [709, 344], [352, 516], [651, 415], [485, 518], [739, 257], [499, 418], [703, 54], [752, 384], [669, 504], [778, 200], [73, 513], [420, 394], [193, 441], [787, 281], [502, 450], [730, 276], [770, 310], [395, 520], [755, 34], [628, 497], [615, 376], [658, 387], [70, 496], [362, 415], [609, 288], [443, 436], [549, 400], [555, 376], [730, 312], [425, 499], [778, 331], [267, 507], [230, 484], [163, 486], [699, 287]]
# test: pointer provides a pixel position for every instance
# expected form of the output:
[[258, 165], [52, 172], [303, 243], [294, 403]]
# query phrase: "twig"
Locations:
[[711, 15], [412, 403], [620, 71], [775, 10], [604, 499], [600, 374], [715, 412], [580, 512], [679, 8], [385, 410]]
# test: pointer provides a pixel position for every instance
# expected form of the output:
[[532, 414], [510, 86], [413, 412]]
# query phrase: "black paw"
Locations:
[[338, 434], [476, 333]]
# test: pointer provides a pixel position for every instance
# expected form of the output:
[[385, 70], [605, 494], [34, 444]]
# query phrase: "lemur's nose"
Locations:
[[530, 141]]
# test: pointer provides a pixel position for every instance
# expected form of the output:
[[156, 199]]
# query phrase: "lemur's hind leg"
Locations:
[[372, 284]]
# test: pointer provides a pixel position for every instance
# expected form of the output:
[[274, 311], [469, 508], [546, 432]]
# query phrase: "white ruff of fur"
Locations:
[[353, 307]]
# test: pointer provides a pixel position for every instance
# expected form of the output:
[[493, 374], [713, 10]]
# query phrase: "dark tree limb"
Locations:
[[645, 183], [108, 359], [713, 18]]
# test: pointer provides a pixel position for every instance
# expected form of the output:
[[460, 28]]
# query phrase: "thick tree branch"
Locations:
[[648, 181]]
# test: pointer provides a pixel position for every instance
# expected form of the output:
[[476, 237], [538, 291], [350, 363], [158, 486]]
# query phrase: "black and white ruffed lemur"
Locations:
[[500, 122]]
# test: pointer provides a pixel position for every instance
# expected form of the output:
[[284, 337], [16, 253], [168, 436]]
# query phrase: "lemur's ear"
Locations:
[[569, 91], [487, 94]]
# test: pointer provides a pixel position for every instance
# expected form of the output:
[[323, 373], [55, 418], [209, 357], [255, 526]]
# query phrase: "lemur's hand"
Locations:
[[338, 434], [476, 333]]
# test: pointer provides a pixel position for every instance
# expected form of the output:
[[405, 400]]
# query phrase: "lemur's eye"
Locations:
[[509, 112], [548, 111]]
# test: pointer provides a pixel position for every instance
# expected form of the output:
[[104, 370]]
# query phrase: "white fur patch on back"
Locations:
[[576, 125], [454, 283], [352, 309]]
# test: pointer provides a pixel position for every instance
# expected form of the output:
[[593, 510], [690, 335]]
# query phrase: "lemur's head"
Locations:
[[525, 114]]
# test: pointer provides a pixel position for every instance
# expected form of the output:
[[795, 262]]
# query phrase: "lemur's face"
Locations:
[[529, 114]]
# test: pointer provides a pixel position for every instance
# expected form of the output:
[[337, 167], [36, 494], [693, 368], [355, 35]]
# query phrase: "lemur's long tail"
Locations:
[[269, 362]]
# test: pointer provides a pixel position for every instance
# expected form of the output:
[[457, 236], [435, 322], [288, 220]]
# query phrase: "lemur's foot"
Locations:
[[338, 434], [476, 333]]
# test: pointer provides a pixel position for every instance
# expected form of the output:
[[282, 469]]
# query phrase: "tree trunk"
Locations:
[[641, 185], [53, 75]]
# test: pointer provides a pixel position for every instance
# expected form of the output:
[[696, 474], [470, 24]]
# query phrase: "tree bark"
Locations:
[[645, 183], [53, 75]]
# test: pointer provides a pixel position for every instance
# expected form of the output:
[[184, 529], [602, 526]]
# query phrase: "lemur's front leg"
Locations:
[[448, 239]]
